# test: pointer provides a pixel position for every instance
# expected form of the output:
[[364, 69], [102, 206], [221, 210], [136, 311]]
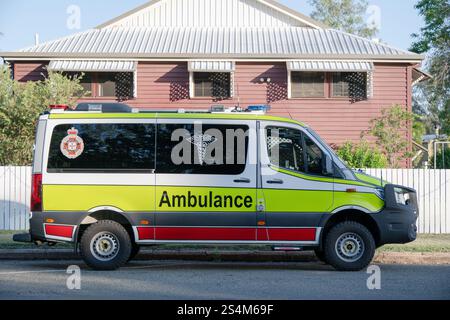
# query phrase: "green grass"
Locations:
[[424, 243], [6, 242]]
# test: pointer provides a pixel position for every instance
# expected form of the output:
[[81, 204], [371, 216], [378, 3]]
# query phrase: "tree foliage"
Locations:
[[389, 130], [344, 15], [20, 106], [362, 155], [442, 158], [432, 98]]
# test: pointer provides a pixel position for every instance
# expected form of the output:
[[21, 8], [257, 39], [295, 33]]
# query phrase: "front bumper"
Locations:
[[397, 223]]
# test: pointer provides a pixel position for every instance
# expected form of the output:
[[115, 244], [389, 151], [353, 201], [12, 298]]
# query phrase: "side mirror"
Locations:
[[328, 166]]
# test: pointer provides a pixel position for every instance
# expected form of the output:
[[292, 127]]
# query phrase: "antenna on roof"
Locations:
[[36, 39], [238, 96]]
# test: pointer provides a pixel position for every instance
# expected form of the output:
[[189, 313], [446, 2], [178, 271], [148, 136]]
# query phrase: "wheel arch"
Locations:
[[352, 214], [104, 213]]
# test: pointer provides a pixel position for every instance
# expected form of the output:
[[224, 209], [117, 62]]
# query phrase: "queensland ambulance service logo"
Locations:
[[72, 146]]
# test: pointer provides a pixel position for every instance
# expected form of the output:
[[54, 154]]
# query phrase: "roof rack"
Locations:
[[101, 107]]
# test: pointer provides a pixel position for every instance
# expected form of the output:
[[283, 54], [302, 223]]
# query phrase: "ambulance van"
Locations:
[[111, 179]]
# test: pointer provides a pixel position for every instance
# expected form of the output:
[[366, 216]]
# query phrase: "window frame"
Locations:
[[95, 85], [80, 173], [332, 84], [325, 91], [192, 85], [265, 155], [328, 86], [203, 174]]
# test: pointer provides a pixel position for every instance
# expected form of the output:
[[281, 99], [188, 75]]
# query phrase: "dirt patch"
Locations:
[[421, 258]]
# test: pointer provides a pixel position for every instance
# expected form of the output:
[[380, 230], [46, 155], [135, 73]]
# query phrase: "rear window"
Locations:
[[205, 149], [102, 148]]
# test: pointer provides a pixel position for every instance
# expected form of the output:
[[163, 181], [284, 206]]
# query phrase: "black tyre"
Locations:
[[320, 254], [349, 246], [134, 251], [105, 245]]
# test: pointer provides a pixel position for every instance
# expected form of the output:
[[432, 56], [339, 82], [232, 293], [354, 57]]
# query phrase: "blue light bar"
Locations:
[[259, 108]]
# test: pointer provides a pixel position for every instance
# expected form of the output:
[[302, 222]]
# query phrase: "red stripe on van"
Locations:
[[292, 234], [199, 234], [59, 231], [146, 233]]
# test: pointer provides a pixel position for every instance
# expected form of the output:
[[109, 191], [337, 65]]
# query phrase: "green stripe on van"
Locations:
[[190, 116], [321, 179], [87, 197]]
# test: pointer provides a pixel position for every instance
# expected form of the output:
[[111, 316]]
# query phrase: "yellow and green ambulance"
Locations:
[[111, 179]]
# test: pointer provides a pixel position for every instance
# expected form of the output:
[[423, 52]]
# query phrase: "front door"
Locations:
[[205, 181], [296, 192]]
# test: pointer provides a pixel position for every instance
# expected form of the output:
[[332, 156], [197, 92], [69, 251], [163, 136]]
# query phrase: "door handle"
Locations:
[[275, 181], [242, 180]]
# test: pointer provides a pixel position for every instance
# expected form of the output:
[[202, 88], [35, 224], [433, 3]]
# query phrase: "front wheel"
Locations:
[[105, 245], [349, 246], [134, 251]]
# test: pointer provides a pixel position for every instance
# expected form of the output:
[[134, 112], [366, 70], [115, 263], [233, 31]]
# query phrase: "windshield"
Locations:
[[348, 173]]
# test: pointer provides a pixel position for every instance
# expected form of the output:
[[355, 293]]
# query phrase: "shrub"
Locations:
[[389, 131], [362, 155], [20, 106]]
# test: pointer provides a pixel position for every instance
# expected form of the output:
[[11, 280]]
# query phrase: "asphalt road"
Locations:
[[218, 280]]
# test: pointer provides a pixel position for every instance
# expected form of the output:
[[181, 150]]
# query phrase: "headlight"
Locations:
[[401, 196]]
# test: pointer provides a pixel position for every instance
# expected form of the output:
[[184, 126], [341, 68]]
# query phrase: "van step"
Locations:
[[287, 248]]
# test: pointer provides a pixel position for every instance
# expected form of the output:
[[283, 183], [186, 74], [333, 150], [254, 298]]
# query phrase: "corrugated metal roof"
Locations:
[[92, 65], [253, 42], [328, 65], [218, 66]]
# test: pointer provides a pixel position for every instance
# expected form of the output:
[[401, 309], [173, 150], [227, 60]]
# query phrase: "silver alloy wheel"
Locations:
[[349, 247], [105, 246]]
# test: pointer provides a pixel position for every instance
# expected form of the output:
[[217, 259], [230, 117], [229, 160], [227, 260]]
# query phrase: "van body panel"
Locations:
[[265, 203], [87, 197]]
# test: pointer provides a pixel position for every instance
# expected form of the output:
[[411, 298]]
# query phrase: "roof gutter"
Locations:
[[183, 56]]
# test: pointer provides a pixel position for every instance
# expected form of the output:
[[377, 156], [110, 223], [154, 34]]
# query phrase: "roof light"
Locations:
[[59, 107], [258, 108]]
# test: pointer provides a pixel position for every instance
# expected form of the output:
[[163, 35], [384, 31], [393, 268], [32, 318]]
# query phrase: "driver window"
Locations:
[[285, 148], [288, 148]]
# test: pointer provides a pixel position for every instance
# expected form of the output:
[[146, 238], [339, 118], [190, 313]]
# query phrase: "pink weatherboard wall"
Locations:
[[166, 85]]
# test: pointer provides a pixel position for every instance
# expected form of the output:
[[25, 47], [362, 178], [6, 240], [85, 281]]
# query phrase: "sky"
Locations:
[[20, 20]]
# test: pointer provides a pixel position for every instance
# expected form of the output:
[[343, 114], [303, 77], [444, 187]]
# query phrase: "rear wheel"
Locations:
[[105, 245], [349, 246]]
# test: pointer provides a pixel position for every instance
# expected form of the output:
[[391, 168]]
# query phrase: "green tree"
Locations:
[[344, 15], [432, 97], [20, 106], [389, 131], [419, 130], [362, 155]]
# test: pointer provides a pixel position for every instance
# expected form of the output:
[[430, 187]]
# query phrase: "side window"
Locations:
[[201, 149], [291, 149], [102, 148], [285, 148]]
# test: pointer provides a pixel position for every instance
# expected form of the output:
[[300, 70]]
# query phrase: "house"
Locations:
[[196, 53]]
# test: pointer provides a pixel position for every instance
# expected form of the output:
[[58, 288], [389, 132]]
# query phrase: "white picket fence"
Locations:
[[433, 191], [433, 187], [15, 188]]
